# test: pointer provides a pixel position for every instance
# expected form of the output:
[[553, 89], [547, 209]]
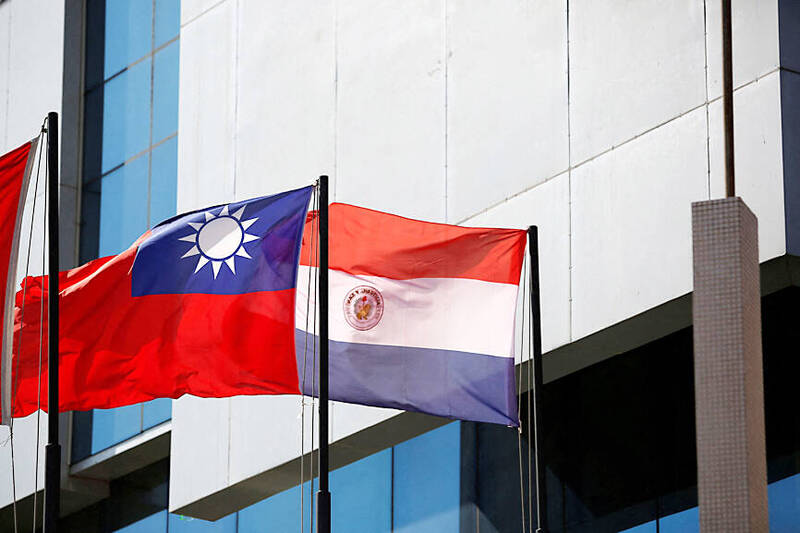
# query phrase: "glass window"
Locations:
[[126, 115], [155, 523], [363, 501], [123, 206], [168, 20], [129, 160], [128, 33], [155, 412], [165, 92], [281, 512], [185, 524], [163, 185], [649, 527], [427, 482], [784, 504], [111, 426]]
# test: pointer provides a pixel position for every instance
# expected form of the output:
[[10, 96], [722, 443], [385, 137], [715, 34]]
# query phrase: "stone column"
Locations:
[[728, 368]]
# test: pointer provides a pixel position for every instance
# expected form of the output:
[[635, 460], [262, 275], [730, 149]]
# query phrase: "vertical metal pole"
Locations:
[[52, 484], [536, 390], [323, 496], [727, 97]]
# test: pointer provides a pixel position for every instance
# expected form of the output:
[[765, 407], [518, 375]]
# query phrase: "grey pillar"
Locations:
[[728, 368]]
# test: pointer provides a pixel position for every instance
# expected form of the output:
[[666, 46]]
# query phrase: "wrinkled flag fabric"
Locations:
[[203, 304], [421, 315], [15, 171]]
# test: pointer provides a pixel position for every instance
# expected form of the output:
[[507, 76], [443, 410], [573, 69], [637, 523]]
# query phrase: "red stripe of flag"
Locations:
[[371, 243]]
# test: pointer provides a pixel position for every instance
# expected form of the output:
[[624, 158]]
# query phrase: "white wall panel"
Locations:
[[390, 113], [31, 66], [545, 206], [200, 447], [286, 95], [207, 108], [631, 224], [759, 164], [35, 66], [755, 41], [5, 35], [191, 9], [506, 100], [632, 67]]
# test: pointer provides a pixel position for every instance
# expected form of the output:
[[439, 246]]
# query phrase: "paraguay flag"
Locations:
[[421, 315], [203, 304]]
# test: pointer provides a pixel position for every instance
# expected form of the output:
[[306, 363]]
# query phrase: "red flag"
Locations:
[[15, 169], [203, 304]]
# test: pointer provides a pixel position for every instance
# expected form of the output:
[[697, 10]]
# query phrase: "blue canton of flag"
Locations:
[[237, 248]]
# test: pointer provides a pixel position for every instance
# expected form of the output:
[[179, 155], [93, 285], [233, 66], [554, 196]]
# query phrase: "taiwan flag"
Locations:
[[203, 304]]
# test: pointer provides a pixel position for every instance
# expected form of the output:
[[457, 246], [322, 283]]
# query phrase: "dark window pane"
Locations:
[[155, 523]]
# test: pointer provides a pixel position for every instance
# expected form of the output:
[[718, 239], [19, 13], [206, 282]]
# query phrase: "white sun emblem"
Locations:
[[219, 239]]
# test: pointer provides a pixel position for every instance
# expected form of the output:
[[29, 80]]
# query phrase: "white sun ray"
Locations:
[[231, 264], [194, 250], [219, 239], [200, 264]]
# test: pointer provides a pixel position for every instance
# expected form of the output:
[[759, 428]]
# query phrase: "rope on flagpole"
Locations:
[[305, 352], [38, 156], [314, 377], [519, 398], [41, 331]]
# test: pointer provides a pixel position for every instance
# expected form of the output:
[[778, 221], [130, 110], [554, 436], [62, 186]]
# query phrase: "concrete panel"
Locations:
[[207, 109], [631, 225], [391, 107], [25, 449], [546, 206], [191, 9], [758, 150], [506, 100], [286, 95], [755, 41], [199, 445], [631, 68], [34, 90]]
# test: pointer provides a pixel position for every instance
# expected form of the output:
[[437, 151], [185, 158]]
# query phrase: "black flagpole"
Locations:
[[52, 483], [323, 496], [536, 323]]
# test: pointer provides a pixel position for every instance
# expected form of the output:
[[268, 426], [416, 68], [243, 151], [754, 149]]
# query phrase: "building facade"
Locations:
[[598, 121]]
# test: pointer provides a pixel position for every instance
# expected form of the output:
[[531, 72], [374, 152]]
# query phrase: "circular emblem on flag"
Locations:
[[363, 307]]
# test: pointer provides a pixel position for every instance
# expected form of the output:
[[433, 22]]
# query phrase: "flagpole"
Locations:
[[323, 495], [536, 324], [52, 484]]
